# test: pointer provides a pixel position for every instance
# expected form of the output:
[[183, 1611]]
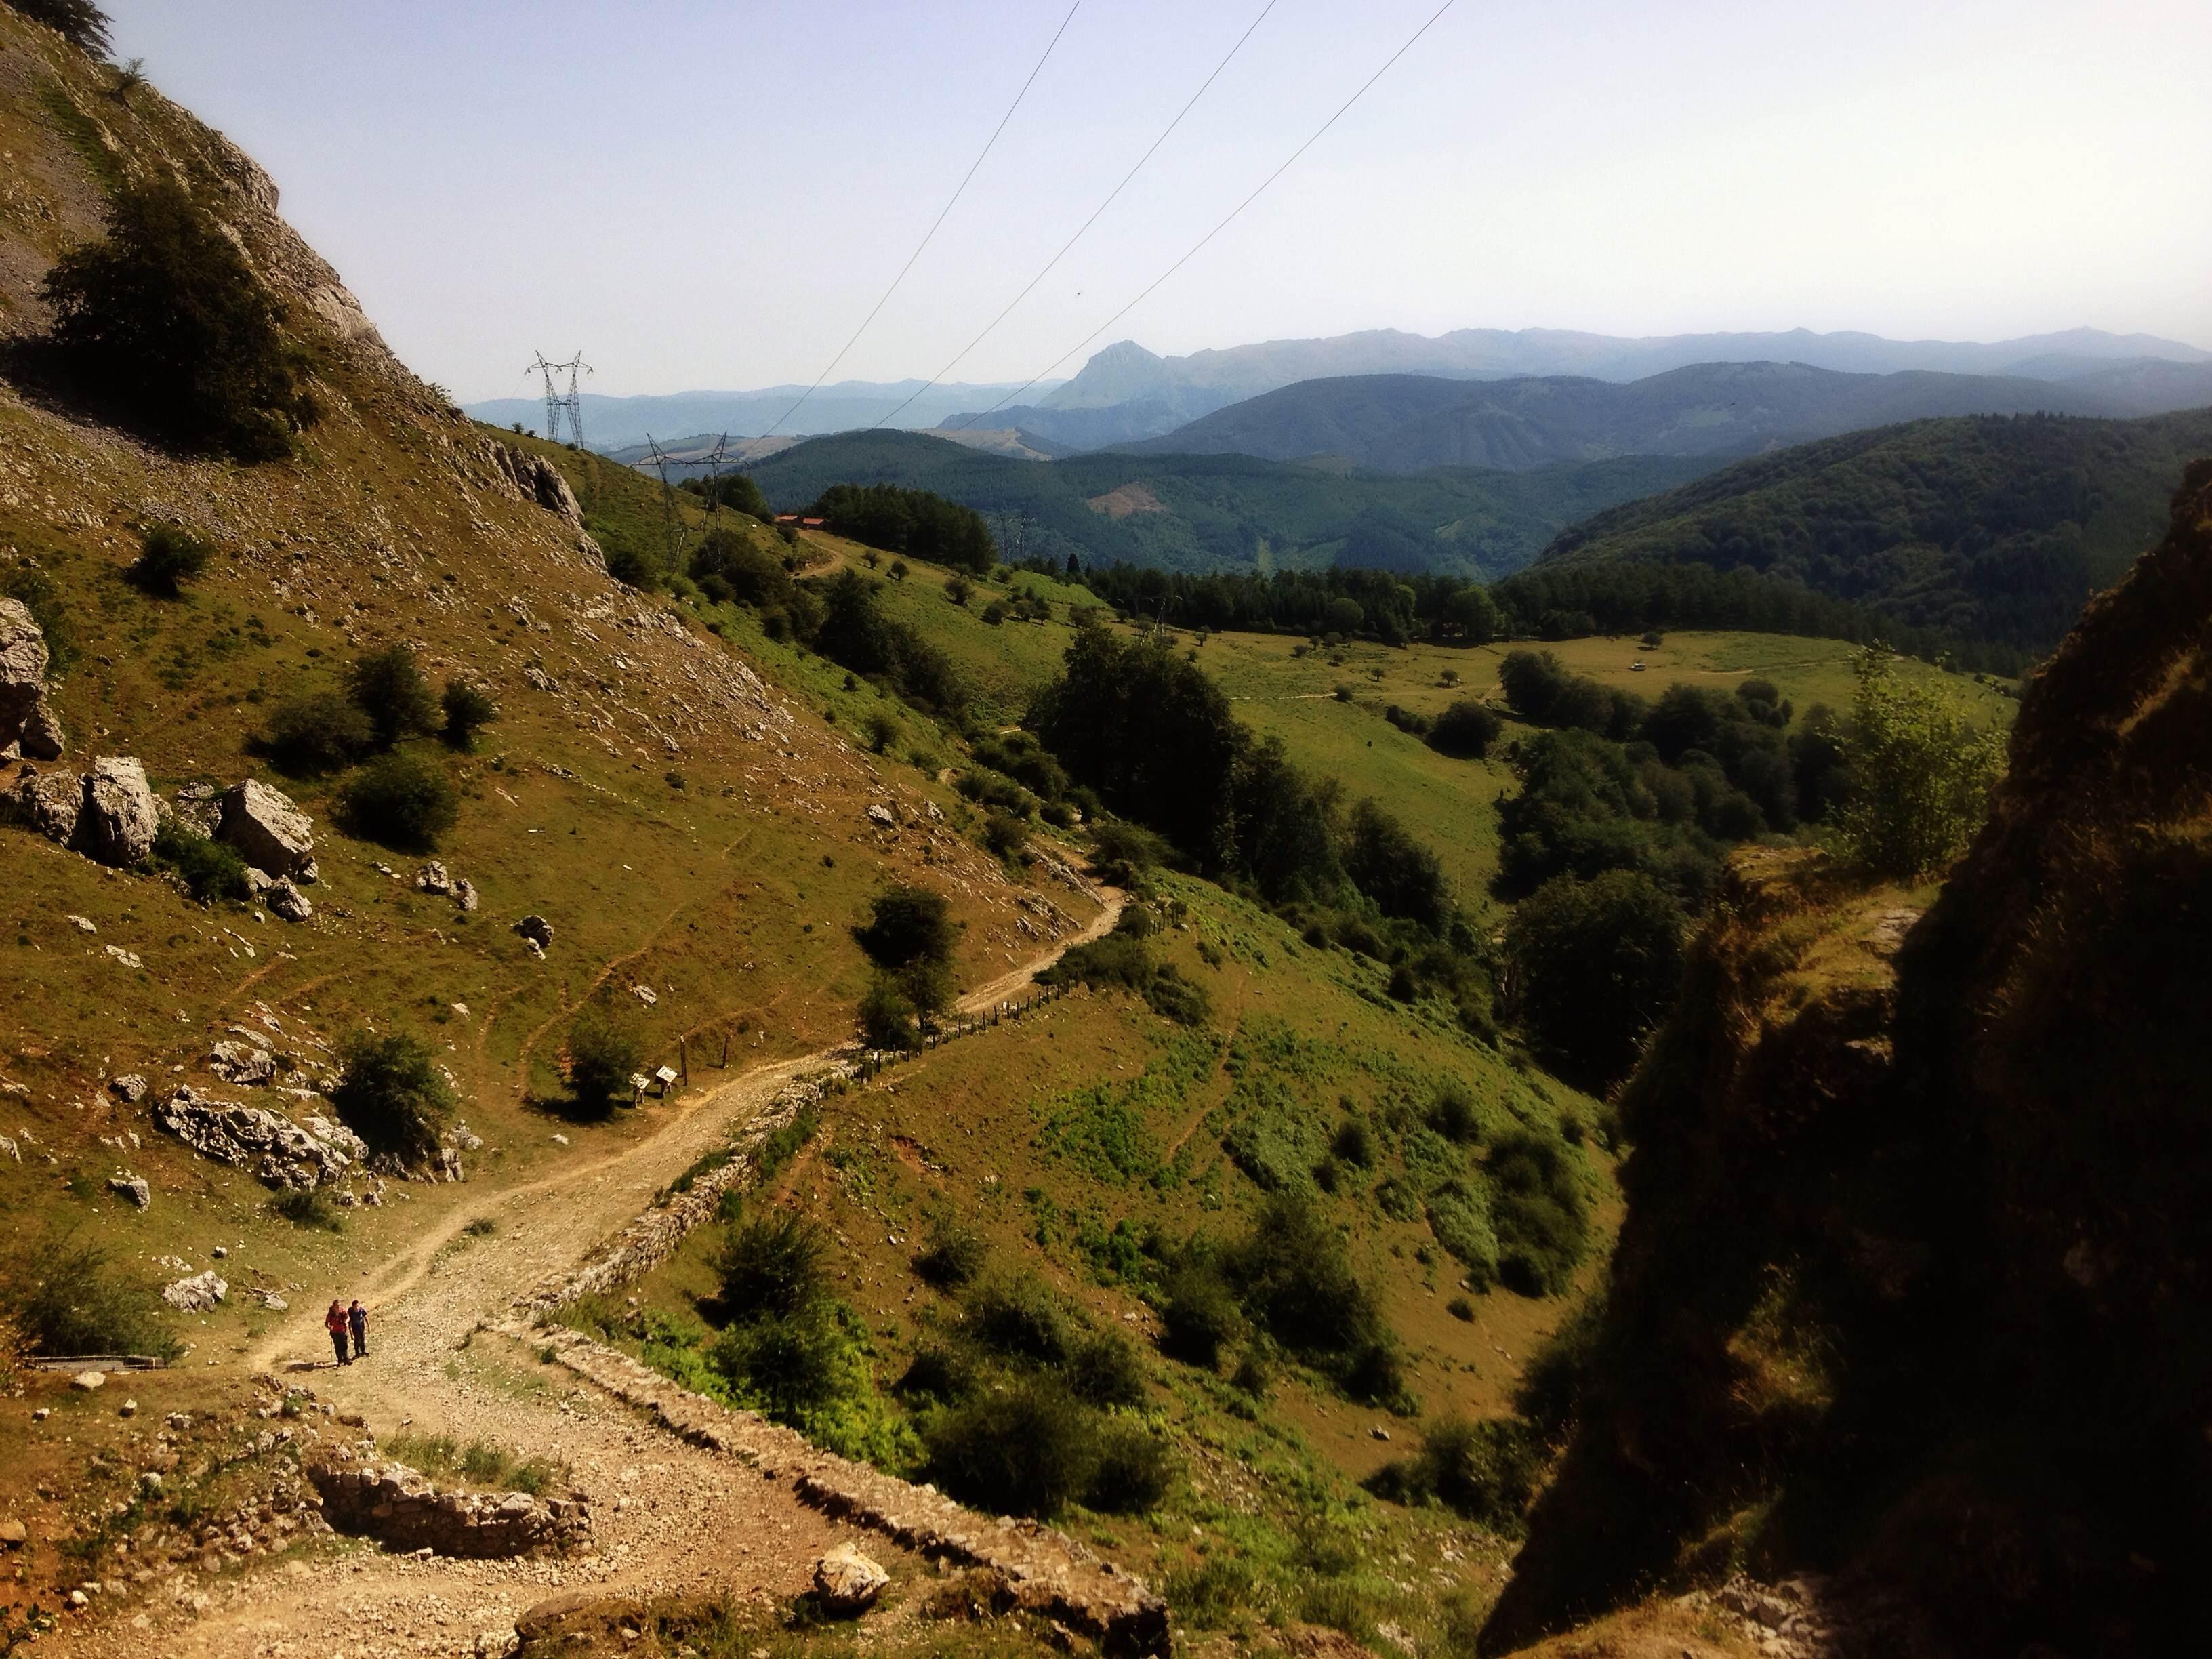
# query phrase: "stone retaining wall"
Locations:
[[1044, 1570], [402, 1509]]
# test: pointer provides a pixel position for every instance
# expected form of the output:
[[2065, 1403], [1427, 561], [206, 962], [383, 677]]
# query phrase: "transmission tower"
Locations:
[[670, 524], [714, 474], [557, 400]]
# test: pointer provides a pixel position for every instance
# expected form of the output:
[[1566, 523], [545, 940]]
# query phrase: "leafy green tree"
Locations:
[[390, 1094], [604, 1054], [164, 318], [1466, 730], [1920, 774], [316, 731], [388, 687], [1593, 965], [468, 708]]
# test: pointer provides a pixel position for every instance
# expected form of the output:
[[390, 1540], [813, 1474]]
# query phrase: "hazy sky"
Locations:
[[706, 195]]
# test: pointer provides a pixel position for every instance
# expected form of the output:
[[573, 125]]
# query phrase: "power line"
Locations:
[[1223, 226], [934, 223], [1087, 223]]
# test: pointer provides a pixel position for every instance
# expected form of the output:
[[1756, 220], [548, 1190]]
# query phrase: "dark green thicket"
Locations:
[[169, 556], [605, 1052], [1594, 965], [209, 869], [914, 521], [390, 1094], [1466, 730], [855, 634], [771, 1266], [1539, 1211], [953, 1256], [735, 489], [468, 709], [68, 1297], [1123, 959], [316, 731], [402, 800], [1485, 1470], [908, 937], [79, 22], [164, 320], [388, 687]]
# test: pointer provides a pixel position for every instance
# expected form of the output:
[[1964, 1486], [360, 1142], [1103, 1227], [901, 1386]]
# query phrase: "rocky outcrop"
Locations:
[[404, 1510], [263, 827], [275, 1150], [119, 820], [199, 1293], [28, 726], [48, 802], [287, 902], [534, 478]]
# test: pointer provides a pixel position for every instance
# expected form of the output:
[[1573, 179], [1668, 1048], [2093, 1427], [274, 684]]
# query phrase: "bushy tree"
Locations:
[[403, 800], [1465, 730], [604, 1053], [78, 21], [468, 708], [164, 319], [1593, 966], [64, 1297], [771, 1266], [390, 1094], [1920, 774], [316, 731], [908, 925], [388, 687], [169, 556]]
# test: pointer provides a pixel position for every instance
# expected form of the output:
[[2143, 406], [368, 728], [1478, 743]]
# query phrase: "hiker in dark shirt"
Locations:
[[357, 1316], [334, 1322]]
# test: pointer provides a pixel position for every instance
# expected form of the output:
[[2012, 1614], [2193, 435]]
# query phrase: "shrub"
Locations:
[[1484, 1470], [1006, 835], [1103, 1370], [787, 1367], [1537, 1208], [309, 1208], [402, 800], [604, 1053], [1594, 964], [771, 1267], [164, 318], [1199, 1315], [1292, 1273], [959, 589], [1466, 730], [208, 869], [1120, 852], [468, 710], [1019, 1318], [389, 687], [390, 1094], [953, 1256], [1920, 774], [316, 731], [169, 556], [1132, 1470], [1453, 1116], [1354, 1143], [65, 1297], [1030, 1450]]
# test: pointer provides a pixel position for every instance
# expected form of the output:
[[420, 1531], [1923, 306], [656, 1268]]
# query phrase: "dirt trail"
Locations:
[[667, 1516]]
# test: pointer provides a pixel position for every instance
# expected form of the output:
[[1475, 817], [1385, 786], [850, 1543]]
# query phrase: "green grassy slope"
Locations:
[[1990, 528], [1232, 512]]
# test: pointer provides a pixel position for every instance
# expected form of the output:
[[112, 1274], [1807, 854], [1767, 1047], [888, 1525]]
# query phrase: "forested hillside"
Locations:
[[1985, 528], [1407, 423], [1230, 512]]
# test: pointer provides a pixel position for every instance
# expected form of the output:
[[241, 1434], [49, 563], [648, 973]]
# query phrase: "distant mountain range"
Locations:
[[1410, 422], [612, 423], [1125, 392]]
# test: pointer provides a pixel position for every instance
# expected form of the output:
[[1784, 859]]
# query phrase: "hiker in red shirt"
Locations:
[[334, 1322]]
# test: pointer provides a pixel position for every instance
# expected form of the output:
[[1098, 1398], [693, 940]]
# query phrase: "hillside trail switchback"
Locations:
[[668, 1517]]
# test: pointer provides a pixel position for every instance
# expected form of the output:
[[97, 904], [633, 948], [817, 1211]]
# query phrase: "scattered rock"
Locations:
[[645, 994], [14, 1534], [133, 1187], [397, 1506], [464, 894], [882, 815], [847, 1582], [118, 823], [536, 929], [128, 958], [267, 831], [128, 1408], [287, 902], [241, 1062], [198, 1294], [82, 924], [277, 1150], [539, 678], [199, 807], [433, 879], [129, 1087], [149, 1484], [89, 1381]]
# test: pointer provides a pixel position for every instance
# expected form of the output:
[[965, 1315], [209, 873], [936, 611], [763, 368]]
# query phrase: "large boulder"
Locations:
[[120, 816], [265, 830], [48, 802], [846, 1581], [28, 725]]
